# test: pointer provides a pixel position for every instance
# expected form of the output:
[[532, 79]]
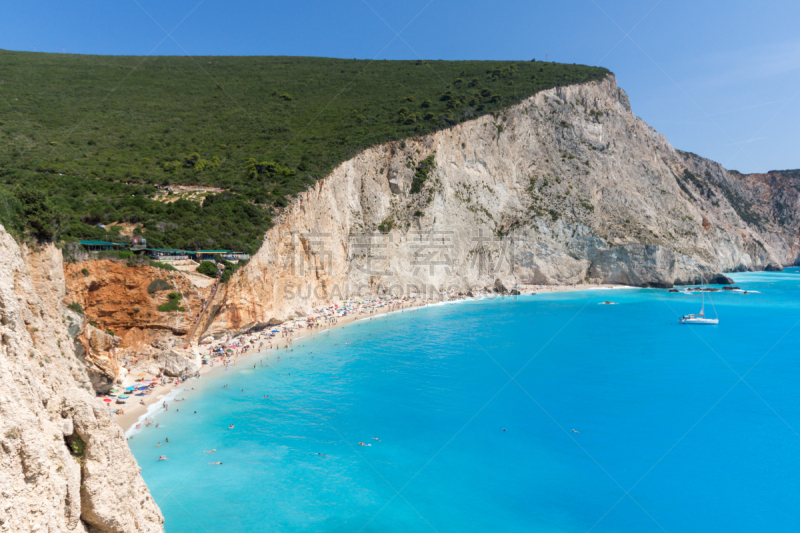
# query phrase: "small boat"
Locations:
[[700, 318]]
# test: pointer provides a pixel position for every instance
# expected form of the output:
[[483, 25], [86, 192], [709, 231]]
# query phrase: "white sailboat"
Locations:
[[700, 318]]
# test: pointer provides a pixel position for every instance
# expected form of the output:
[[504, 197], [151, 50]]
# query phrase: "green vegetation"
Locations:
[[230, 268], [71, 206], [159, 264], [76, 307], [421, 173], [158, 285], [86, 139], [386, 225], [172, 304], [208, 268], [77, 446]]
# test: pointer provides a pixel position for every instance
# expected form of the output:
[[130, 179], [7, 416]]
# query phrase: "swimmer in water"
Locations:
[[162, 458], [210, 451], [217, 463], [575, 431], [230, 427]]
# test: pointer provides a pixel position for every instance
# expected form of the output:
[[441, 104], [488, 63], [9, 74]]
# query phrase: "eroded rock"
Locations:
[[178, 362], [65, 464]]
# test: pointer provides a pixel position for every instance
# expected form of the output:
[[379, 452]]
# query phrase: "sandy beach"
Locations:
[[133, 410]]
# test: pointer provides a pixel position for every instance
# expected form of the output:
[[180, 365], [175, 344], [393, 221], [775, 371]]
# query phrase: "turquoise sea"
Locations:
[[679, 428]]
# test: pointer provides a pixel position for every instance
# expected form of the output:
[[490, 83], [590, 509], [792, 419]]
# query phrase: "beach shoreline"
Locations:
[[133, 413]]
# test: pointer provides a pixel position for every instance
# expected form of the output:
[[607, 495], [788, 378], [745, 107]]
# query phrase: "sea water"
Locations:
[[676, 427]]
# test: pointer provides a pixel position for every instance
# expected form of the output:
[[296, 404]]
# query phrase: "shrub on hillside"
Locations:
[[38, 212], [173, 303], [208, 268], [158, 285], [421, 173]]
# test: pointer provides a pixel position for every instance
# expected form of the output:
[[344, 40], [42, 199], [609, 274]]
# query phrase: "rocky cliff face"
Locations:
[[64, 464], [566, 187], [769, 202], [123, 300]]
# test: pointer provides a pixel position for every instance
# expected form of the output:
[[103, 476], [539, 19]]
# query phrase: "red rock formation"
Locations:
[[115, 297]]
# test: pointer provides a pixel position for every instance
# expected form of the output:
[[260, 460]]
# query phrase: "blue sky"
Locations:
[[720, 79]]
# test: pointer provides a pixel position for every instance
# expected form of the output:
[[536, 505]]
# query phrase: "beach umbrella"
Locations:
[[124, 397], [131, 388], [106, 399], [142, 388], [141, 375]]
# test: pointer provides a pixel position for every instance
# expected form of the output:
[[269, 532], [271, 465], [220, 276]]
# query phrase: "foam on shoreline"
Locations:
[[152, 410]]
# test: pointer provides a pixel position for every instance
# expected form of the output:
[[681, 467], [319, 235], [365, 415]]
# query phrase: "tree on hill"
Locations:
[[208, 268], [37, 210]]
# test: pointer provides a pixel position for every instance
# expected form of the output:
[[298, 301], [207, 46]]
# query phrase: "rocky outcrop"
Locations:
[[123, 300], [64, 463], [720, 279], [769, 202], [179, 362], [98, 351], [566, 187]]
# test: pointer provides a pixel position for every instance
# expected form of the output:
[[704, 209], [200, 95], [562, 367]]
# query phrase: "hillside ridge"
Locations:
[[96, 135]]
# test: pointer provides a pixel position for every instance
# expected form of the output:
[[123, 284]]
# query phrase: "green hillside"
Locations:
[[263, 128]]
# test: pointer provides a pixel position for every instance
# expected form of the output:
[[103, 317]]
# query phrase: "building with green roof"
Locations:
[[100, 246]]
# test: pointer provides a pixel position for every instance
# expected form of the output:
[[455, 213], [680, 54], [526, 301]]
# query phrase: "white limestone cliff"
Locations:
[[64, 464], [566, 187]]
